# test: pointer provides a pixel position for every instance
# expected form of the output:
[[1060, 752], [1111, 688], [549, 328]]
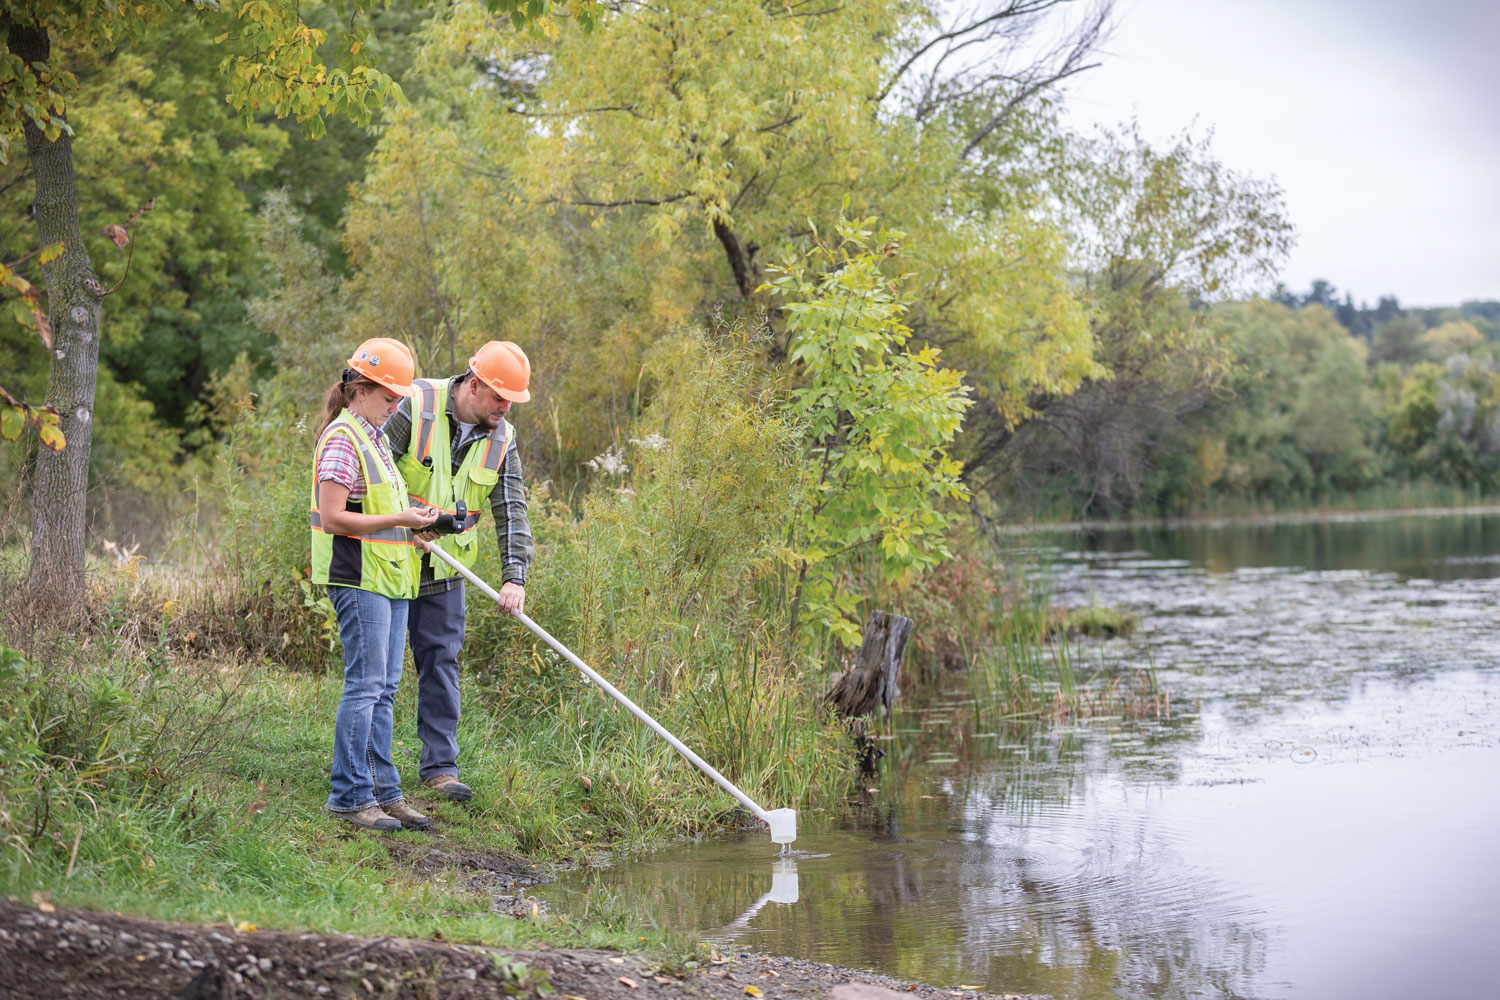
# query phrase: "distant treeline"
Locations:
[[1388, 322], [1314, 401]]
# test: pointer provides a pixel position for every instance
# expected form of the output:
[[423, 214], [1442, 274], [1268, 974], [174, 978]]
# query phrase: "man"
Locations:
[[457, 453]]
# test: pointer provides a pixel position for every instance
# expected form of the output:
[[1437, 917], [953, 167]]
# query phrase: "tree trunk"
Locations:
[[74, 298], [869, 685], [739, 260]]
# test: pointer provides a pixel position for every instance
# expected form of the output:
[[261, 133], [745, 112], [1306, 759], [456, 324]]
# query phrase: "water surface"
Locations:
[[1317, 818]]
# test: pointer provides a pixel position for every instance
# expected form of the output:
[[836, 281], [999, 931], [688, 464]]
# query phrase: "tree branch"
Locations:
[[1025, 94], [627, 108], [618, 203], [990, 26]]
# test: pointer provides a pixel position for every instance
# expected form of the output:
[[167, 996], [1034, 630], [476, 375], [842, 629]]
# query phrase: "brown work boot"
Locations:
[[373, 818], [409, 817], [448, 786]]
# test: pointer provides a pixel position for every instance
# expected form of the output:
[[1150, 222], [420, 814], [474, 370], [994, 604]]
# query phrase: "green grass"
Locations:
[[1094, 621], [141, 773], [193, 790]]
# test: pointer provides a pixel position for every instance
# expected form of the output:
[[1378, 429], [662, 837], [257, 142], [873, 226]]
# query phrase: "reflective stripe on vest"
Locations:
[[494, 456], [373, 464], [426, 419], [389, 536], [424, 424]]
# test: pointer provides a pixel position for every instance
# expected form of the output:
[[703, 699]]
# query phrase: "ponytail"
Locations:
[[340, 395]]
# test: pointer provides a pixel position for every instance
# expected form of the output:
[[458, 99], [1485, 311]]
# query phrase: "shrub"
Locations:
[[664, 581]]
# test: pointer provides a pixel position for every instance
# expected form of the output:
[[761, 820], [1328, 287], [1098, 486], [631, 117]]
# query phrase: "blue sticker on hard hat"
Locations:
[[363, 355], [374, 360]]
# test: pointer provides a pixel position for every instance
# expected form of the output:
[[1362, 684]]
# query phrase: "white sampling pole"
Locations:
[[783, 822]]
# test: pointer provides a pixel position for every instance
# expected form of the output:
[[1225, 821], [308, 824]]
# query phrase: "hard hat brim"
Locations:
[[407, 391], [515, 397]]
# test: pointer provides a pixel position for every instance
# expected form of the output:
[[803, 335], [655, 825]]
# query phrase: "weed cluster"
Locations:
[[98, 749], [1031, 666], [995, 625]]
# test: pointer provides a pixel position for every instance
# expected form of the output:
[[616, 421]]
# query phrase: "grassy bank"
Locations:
[[192, 788]]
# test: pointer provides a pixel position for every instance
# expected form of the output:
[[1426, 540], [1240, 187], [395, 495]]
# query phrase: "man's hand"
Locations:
[[512, 598]]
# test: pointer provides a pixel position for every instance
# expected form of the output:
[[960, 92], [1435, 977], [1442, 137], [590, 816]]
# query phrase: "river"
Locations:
[[1318, 816]]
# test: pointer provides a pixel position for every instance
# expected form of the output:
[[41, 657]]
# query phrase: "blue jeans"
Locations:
[[372, 628], [436, 627]]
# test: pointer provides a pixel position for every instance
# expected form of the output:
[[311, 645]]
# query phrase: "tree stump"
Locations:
[[869, 684]]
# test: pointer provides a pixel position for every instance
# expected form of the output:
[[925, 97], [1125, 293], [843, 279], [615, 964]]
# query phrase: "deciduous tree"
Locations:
[[878, 419], [274, 64], [585, 193]]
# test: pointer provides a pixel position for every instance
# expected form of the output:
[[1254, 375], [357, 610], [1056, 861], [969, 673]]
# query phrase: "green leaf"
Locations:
[[12, 420]]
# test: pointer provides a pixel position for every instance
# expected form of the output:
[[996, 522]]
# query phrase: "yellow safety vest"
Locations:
[[427, 466], [382, 561]]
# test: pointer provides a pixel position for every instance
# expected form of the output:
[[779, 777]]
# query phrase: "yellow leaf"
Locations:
[[246, 927], [51, 253], [51, 437], [753, 991]]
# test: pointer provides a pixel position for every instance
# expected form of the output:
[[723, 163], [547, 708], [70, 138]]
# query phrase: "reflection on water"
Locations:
[[1443, 547], [1315, 820]]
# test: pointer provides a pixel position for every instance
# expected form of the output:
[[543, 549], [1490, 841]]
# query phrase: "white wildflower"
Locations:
[[651, 442], [611, 463]]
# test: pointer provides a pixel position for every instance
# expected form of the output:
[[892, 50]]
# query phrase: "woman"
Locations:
[[363, 550]]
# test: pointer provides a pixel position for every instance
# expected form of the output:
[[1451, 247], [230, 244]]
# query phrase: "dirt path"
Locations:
[[87, 955]]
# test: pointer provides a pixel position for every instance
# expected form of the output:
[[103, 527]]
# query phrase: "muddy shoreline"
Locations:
[[63, 952]]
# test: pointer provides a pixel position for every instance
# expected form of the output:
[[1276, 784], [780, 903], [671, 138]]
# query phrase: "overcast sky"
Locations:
[[1379, 118]]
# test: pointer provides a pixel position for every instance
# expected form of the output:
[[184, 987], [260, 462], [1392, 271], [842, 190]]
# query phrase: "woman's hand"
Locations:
[[416, 518]]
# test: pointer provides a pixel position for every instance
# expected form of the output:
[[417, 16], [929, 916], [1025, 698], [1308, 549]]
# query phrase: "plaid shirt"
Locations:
[[339, 460], [507, 498]]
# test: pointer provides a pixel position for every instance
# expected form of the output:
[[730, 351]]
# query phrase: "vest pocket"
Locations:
[[394, 554], [481, 481]]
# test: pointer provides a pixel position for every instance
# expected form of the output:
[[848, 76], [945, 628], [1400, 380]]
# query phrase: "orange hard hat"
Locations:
[[503, 367], [386, 362]]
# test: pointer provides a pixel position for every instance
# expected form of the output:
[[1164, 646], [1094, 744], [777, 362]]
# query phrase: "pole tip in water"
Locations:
[[783, 825]]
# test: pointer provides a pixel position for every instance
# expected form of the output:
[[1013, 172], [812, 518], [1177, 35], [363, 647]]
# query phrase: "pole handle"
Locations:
[[609, 689]]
